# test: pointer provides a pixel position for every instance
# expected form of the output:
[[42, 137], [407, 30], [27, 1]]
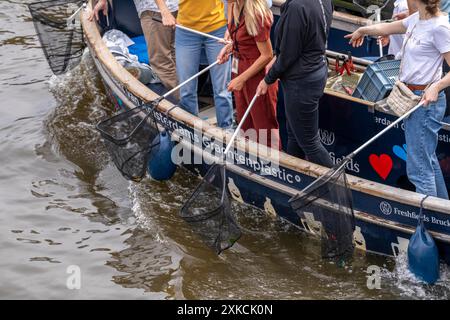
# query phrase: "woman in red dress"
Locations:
[[249, 27]]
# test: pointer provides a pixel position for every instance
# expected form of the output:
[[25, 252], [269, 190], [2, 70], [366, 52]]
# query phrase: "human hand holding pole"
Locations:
[[225, 53], [262, 88], [102, 5]]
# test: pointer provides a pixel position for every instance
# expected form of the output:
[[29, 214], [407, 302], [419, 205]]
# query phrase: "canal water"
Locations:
[[65, 210]]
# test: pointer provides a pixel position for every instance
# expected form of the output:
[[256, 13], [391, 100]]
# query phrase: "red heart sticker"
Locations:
[[381, 164]]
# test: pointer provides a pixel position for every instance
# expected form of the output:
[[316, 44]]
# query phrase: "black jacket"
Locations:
[[300, 39]]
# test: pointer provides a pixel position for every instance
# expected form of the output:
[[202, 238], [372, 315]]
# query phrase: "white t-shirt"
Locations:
[[396, 40], [422, 57]]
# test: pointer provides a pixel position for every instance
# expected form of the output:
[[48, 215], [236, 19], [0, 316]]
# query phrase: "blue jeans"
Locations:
[[446, 119], [421, 134], [189, 48]]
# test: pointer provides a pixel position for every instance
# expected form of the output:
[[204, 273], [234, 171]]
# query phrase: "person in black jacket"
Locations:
[[300, 64]]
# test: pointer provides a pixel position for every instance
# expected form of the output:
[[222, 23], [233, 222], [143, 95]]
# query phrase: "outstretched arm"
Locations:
[[381, 29]]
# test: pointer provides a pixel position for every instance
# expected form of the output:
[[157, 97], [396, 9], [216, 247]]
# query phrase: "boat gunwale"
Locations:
[[134, 86]]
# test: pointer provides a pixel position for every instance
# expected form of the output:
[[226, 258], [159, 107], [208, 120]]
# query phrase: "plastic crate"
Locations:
[[378, 80]]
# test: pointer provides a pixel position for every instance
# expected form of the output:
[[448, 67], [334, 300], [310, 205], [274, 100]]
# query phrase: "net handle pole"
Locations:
[[70, 19], [392, 125], [189, 80], [221, 40], [380, 45], [247, 112]]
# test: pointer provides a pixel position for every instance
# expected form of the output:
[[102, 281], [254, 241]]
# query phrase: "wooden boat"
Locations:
[[386, 216]]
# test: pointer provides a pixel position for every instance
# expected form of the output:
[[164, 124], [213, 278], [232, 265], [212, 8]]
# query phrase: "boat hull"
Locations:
[[382, 226], [346, 124]]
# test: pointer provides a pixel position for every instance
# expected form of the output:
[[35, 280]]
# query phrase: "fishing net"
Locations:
[[129, 138], [208, 211], [329, 200], [61, 40]]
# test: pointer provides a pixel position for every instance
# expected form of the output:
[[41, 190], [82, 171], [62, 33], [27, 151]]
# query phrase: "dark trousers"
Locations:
[[301, 100]]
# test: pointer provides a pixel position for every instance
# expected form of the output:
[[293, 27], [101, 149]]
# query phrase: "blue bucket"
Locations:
[[160, 166], [423, 256]]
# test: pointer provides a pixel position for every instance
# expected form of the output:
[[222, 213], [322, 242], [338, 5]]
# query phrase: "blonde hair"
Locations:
[[256, 13]]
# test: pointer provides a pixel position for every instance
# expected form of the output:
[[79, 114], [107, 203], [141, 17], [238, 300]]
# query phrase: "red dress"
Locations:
[[264, 113]]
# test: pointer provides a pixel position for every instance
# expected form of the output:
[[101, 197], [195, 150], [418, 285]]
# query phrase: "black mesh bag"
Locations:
[[208, 211], [61, 40], [330, 201], [129, 138]]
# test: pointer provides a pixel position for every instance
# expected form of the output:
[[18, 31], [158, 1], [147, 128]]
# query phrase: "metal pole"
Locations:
[[222, 40], [380, 45], [247, 112], [393, 124], [202, 34], [190, 79], [69, 20]]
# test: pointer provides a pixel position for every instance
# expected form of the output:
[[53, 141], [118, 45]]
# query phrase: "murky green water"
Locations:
[[64, 204]]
